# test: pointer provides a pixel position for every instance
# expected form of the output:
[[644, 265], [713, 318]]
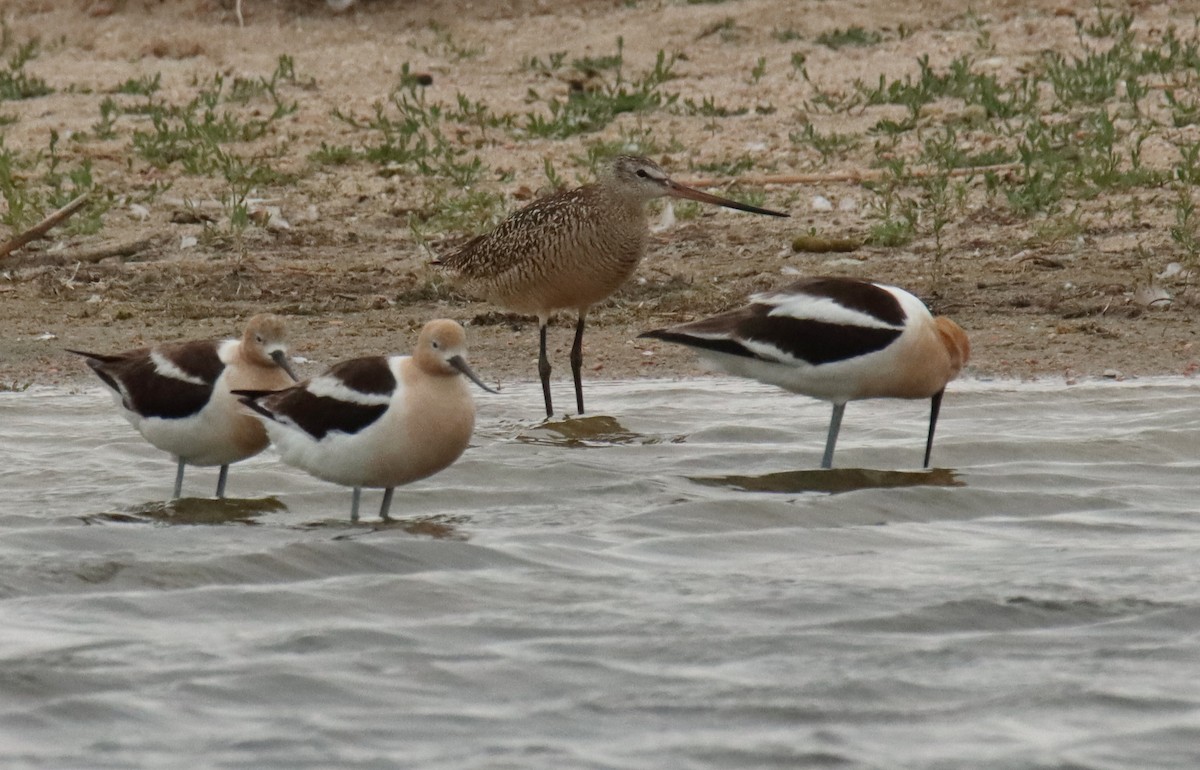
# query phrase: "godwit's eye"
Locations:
[[642, 173], [258, 338]]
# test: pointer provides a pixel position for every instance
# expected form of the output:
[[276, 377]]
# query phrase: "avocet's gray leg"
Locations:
[[354, 500], [387, 503], [179, 479], [222, 477], [933, 415], [835, 424]]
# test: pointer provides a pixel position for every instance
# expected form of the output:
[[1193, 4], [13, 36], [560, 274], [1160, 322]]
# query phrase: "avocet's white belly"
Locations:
[[416, 437], [218, 434]]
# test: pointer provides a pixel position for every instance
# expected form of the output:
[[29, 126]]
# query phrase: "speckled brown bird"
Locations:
[[572, 249]]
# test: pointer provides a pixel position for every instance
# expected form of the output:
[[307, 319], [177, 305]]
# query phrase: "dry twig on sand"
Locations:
[[41, 228], [864, 175]]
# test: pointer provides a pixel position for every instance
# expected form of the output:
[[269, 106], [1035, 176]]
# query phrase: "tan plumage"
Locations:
[[178, 395], [377, 421], [571, 249]]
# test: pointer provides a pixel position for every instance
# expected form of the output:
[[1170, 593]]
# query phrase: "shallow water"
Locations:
[[673, 586]]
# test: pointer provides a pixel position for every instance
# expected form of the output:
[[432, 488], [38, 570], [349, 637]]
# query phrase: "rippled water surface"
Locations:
[[672, 585]]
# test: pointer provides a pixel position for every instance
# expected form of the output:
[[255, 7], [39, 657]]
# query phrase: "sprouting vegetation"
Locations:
[[851, 36], [1054, 139], [15, 82]]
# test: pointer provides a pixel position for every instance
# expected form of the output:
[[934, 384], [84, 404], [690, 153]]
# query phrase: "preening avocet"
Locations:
[[177, 395], [572, 249], [836, 339], [377, 421]]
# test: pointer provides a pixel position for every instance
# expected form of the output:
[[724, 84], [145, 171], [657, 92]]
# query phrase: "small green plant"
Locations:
[[590, 110], [411, 135], [109, 110], [725, 167], [446, 46], [851, 36], [758, 70], [707, 107], [892, 233], [1186, 230], [33, 186], [1106, 24], [552, 177], [829, 145], [896, 213], [143, 86], [1185, 111], [631, 142], [553, 63], [451, 209], [941, 203], [15, 83], [1188, 169], [334, 155]]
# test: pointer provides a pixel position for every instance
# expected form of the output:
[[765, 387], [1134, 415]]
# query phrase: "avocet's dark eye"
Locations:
[[642, 173], [435, 345]]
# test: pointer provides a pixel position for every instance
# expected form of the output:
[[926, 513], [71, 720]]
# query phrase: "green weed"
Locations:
[[34, 185], [829, 145], [15, 83], [411, 136], [444, 45], [1186, 230], [553, 63], [758, 70], [708, 108], [851, 36], [143, 86], [590, 110]]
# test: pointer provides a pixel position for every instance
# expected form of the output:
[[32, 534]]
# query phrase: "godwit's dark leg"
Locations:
[[577, 361], [386, 504], [222, 477], [933, 415], [354, 500], [179, 479], [835, 425], [544, 367]]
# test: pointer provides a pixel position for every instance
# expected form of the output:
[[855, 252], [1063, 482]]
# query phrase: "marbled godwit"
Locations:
[[572, 249], [836, 339], [377, 421], [178, 395]]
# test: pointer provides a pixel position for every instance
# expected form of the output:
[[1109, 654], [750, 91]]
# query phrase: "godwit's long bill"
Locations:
[[377, 421], [177, 395], [836, 339], [572, 249]]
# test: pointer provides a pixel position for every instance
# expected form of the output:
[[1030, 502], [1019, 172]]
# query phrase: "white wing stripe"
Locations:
[[332, 387], [165, 367], [770, 352], [821, 309]]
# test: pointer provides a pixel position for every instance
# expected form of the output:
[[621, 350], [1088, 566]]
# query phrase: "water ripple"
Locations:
[[670, 583]]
